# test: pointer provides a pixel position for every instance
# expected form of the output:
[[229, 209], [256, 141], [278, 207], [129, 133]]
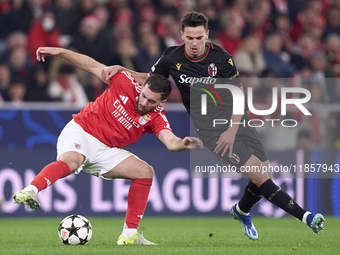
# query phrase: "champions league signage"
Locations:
[[173, 193]]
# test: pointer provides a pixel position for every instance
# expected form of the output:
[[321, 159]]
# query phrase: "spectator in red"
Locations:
[[305, 20], [259, 22], [174, 36], [231, 37], [162, 26], [145, 10], [43, 33], [122, 24]]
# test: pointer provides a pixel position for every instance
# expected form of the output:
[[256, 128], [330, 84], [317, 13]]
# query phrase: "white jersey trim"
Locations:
[[138, 86]]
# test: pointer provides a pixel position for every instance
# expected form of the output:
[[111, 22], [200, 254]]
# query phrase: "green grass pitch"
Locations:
[[187, 235]]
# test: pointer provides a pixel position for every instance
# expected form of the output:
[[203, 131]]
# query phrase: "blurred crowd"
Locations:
[[268, 39]]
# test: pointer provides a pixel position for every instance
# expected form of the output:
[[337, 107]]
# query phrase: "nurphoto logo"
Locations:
[[238, 105]]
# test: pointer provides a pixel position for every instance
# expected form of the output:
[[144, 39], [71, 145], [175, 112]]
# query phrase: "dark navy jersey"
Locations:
[[195, 77]]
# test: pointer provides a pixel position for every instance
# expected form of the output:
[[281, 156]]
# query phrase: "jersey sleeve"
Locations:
[[115, 79], [161, 67], [230, 72], [158, 124]]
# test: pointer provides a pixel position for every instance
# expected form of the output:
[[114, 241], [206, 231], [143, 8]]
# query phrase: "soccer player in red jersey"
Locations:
[[92, 141]]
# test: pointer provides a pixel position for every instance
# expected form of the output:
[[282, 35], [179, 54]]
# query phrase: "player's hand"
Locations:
[[110, 71], [43, 52], [190, 143], [225, 142]]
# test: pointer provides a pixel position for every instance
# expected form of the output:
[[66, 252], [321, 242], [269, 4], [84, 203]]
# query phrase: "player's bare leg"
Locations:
[[67, 164], [141, 175]]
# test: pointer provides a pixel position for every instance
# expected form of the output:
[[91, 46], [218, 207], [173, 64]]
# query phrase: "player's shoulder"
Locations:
[[173, 51], [125, 79], [119, 76], [125, 76], [159, 110], [122, 75], [217, 49]]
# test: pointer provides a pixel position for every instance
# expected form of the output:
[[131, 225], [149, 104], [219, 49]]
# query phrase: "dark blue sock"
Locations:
[[278, 197]]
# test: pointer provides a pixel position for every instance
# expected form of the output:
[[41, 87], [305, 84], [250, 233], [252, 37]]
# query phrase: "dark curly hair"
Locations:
[[159, 84]]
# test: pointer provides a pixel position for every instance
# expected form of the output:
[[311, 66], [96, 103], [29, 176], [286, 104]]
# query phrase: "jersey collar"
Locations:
[[200, 58]]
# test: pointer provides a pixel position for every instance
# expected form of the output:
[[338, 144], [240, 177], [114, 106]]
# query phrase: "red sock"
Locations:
[[137, 200], [50, 174]]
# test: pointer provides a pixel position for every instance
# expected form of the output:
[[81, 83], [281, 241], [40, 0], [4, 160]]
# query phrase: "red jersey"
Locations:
[[113, 118]]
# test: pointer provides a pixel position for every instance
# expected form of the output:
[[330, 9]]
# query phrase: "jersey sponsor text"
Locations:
[[192, 80], [122, 116]]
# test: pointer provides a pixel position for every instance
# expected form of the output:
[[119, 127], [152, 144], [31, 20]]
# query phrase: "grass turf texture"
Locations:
[[221, 235]]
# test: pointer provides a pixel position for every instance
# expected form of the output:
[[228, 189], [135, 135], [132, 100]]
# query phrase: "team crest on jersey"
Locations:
[[144, 119], [77, 145], [212, 70], [234, 158], [178, 65]]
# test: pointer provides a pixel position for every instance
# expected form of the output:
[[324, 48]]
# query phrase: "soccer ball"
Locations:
[[75, 229]]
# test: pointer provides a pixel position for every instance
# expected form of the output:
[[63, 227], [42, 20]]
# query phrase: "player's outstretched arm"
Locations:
[[109, 71], [174, 143], [81, 61]]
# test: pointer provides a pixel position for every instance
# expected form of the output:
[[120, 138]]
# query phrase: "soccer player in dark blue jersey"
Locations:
[[199, 62]]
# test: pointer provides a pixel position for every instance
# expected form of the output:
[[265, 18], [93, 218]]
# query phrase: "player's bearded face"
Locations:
[[147, 100], [194, 39]]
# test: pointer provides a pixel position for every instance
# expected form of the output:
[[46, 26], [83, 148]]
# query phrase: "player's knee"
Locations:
[[72, 159], [146, 171]]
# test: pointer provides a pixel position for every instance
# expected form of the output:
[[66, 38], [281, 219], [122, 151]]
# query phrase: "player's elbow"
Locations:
[[172, 149]]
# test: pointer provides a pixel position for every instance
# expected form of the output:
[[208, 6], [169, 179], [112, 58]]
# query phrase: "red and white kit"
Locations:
[[111, 122]]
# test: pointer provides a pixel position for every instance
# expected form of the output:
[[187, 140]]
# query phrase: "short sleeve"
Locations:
[[161, 67], [230, 71], [115, 79], [157, 124]]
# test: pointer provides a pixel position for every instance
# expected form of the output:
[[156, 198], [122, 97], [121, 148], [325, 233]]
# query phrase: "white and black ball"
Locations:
[[75, 229]]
